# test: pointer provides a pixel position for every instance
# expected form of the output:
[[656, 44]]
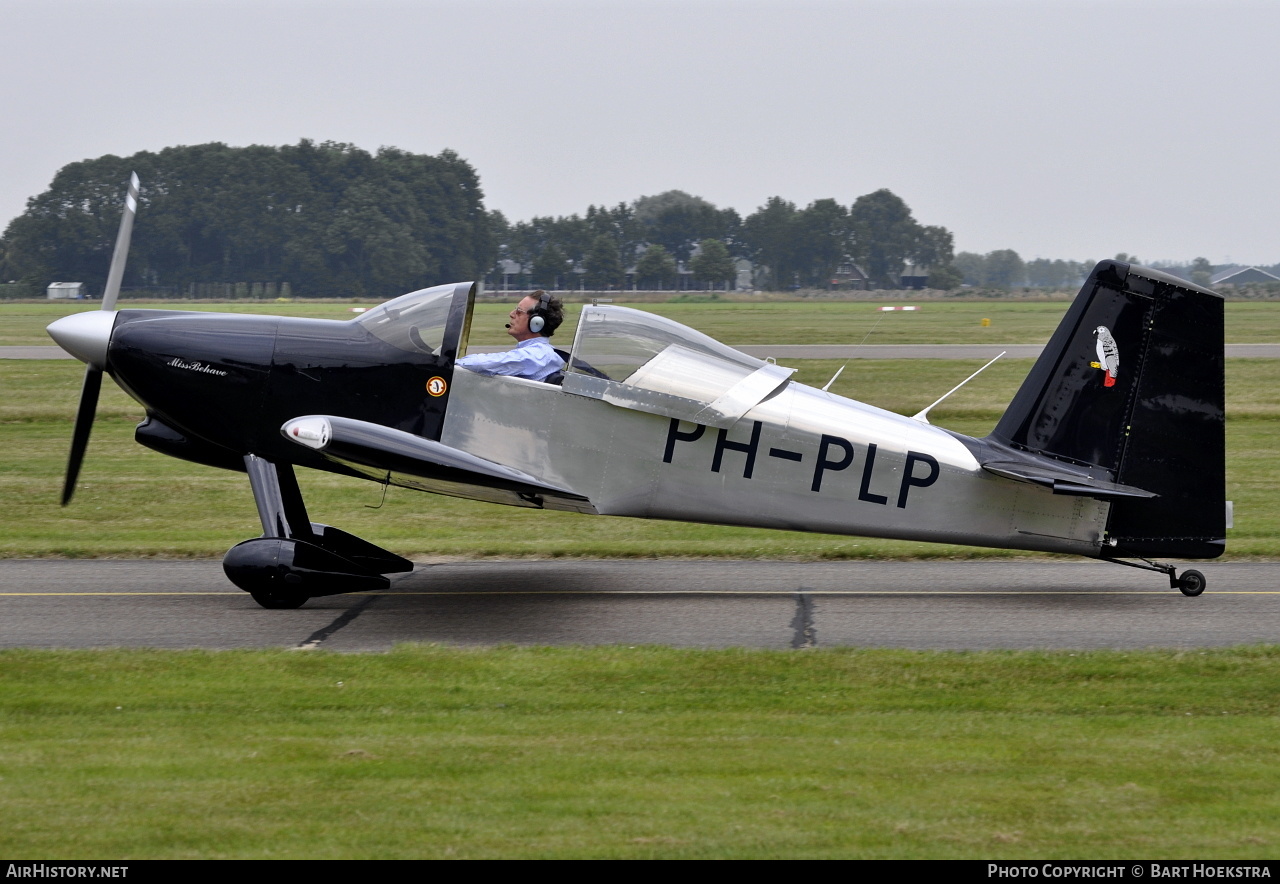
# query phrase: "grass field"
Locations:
[[735, 323], [643, 752], [617, 752], [134, 502]]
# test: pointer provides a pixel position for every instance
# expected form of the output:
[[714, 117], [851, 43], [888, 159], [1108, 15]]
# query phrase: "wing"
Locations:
[[410, 461]]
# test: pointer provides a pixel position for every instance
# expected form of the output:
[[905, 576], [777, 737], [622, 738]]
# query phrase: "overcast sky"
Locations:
[[1059, 128]]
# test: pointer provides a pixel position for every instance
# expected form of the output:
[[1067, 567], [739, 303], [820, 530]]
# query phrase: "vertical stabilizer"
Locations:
[[1131, 384]]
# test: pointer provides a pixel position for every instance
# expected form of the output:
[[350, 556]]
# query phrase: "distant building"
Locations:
[[58, 291], [1241, 276], [851, 276], [914, 277], [509, 276]]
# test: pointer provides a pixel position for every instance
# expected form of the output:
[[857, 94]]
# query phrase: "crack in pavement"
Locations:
[[804, 632]]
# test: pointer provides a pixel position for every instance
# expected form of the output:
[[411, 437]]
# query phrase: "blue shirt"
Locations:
[[534, 359]]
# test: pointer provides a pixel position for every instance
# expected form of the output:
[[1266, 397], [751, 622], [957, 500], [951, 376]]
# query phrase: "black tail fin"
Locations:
[[1132, 383]]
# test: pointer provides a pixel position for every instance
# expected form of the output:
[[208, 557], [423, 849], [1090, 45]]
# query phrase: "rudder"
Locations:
[[1132, 383]]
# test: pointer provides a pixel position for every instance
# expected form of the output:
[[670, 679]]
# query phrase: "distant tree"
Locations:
[[972, 267], [572, 235], [499, 233], [648, 208], [328, 218], [66, 232], [1127, 258], [713, 265], [550, 268], [770, 234], [822, 242], [1202, 272], [603, 265], [934, 247], [945, 277], [524, 242], [619, 224], [1044, 273], [656, 268], [499, 227], [678, 221], [1004, 269], [885, 236]]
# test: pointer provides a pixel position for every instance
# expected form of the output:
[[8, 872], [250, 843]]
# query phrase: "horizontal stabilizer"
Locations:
[[400, 458], [1064, 481]]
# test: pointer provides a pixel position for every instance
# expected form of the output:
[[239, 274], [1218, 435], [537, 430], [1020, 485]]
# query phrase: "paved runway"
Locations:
[[811, 351], [949, 351], [702, 603]]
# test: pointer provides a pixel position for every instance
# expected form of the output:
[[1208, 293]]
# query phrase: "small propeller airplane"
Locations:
[[1113, 447]]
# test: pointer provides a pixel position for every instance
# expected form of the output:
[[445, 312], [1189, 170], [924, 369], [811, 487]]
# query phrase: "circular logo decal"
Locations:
[[437, 386]]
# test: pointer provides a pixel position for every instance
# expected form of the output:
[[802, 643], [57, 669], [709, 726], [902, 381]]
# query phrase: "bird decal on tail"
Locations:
[[1108, 355]]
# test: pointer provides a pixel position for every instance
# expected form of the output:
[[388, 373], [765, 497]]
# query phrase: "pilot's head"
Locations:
[[536, 314]]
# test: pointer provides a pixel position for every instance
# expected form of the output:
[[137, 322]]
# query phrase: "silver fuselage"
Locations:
[[801, 459]]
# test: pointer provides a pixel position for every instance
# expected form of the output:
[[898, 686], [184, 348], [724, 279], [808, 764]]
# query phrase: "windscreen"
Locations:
[[414, 322]]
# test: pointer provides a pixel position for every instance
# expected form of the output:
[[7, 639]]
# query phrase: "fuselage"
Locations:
[[802, 459], [218, 387]]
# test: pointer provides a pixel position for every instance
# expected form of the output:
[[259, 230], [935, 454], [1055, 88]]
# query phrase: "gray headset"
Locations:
[[538, 315]]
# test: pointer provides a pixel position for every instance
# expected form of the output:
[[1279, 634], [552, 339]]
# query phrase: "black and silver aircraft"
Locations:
[[1113, 447]]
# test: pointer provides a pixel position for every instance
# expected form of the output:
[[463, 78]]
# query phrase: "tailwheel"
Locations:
[[279, 600], [1191, 582]]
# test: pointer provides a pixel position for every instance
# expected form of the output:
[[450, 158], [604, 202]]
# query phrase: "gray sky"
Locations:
[[1059, 128]]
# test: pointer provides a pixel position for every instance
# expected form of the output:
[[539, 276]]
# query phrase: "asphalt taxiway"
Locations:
[[955, 605]]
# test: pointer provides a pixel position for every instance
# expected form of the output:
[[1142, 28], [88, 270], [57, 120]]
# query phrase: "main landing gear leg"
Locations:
[[1191, 583], [296, 559]]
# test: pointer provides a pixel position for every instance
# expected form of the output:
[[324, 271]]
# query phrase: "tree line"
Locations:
[[1005, 269], [326, 218], [790, 247], [332, 219]]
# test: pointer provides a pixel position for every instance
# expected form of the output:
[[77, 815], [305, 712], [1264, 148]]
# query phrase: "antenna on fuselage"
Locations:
[[923, 416], [846, 365], [833, 378]]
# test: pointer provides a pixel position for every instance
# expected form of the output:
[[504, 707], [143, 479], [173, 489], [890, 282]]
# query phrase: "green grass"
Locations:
[[639, 752], [430, 752], [134, 502], [736, 323]]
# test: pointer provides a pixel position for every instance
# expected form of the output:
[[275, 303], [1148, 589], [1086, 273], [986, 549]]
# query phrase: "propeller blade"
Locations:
[[84, 425], [93, 335], [118, 257]]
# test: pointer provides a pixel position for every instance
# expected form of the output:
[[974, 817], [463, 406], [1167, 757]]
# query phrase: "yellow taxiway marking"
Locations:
[[192, 592], [792, 592]]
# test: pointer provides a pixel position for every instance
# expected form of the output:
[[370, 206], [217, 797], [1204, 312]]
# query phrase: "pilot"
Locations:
[[534, 320]]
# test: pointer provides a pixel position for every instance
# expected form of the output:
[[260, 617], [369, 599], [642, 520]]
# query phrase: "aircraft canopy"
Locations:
[[649, 363]]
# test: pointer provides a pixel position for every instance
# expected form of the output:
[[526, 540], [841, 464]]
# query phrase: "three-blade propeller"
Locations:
[[88, 344]]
